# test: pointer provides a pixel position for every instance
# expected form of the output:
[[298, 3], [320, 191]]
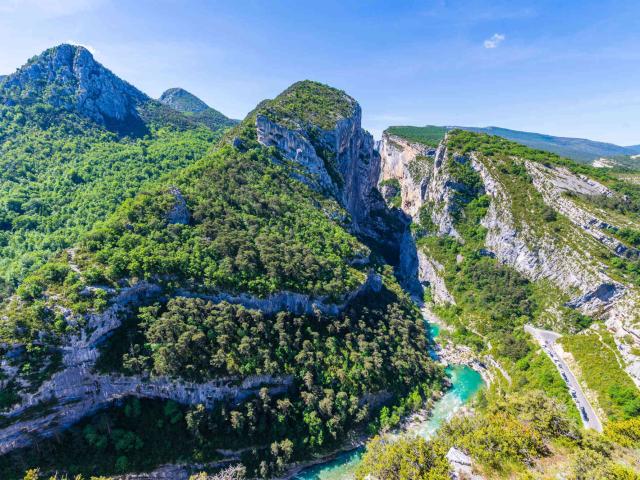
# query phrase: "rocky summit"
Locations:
[[68, 77], [188, 296]]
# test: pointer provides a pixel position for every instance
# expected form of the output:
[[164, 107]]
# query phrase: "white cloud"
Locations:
[[91, 48], [495, 40]]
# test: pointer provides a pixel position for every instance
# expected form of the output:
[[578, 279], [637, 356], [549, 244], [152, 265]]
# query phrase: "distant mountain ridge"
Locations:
[[187, 103], [598, 154], [183, 101], [75, 141], [578, 149]]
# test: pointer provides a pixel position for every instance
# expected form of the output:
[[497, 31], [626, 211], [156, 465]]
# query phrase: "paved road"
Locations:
[[547, 340]]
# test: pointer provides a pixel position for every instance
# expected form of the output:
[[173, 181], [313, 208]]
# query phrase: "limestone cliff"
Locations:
[[569, 254], [426, 189], [340, 160], [337, 156]]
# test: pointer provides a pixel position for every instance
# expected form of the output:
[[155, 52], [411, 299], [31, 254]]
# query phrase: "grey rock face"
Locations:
[[570, 266], [396, 156], [69, 77], [297, 303], [179, 214], [423, 179], [523, 249], [341, 162], [555, 183], [296, 146], [431, 272], [604, 294]]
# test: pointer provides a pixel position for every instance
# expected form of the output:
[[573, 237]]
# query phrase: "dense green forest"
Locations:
[[429, 135], [60, 174]]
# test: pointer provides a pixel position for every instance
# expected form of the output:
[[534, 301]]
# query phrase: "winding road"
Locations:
[[547, 340]]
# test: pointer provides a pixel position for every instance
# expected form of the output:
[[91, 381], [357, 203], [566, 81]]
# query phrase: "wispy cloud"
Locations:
[[495, 40], [91, 48]]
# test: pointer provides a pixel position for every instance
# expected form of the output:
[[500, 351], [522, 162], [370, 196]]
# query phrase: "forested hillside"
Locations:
[[240, 284], [65, 164]]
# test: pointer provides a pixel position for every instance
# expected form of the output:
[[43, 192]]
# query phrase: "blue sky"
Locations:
[[565, 67]]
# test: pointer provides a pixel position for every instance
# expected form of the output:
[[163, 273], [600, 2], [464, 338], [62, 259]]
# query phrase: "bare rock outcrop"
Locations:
[[340, 161], [397, 155], [431, 272], [81, 84], [179, 214], [423, 178]]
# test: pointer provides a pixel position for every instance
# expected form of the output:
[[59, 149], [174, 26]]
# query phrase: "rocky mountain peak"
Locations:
[[318, 128], [68, 77], [311, 104], [183, 101]]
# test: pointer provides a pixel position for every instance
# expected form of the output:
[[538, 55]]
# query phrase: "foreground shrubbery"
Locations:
[[506, 437], [406, 458]]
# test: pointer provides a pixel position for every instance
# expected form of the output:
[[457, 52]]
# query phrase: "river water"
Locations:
[[465, 383]]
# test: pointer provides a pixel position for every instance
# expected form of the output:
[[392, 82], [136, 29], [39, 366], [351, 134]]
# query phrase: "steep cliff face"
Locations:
[[423, 177], [570, 258], [332, 154], [397, 155], [535, 252], [426, 193], [539, 221]]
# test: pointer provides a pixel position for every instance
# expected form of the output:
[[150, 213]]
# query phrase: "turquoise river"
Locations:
[[465, 383]]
